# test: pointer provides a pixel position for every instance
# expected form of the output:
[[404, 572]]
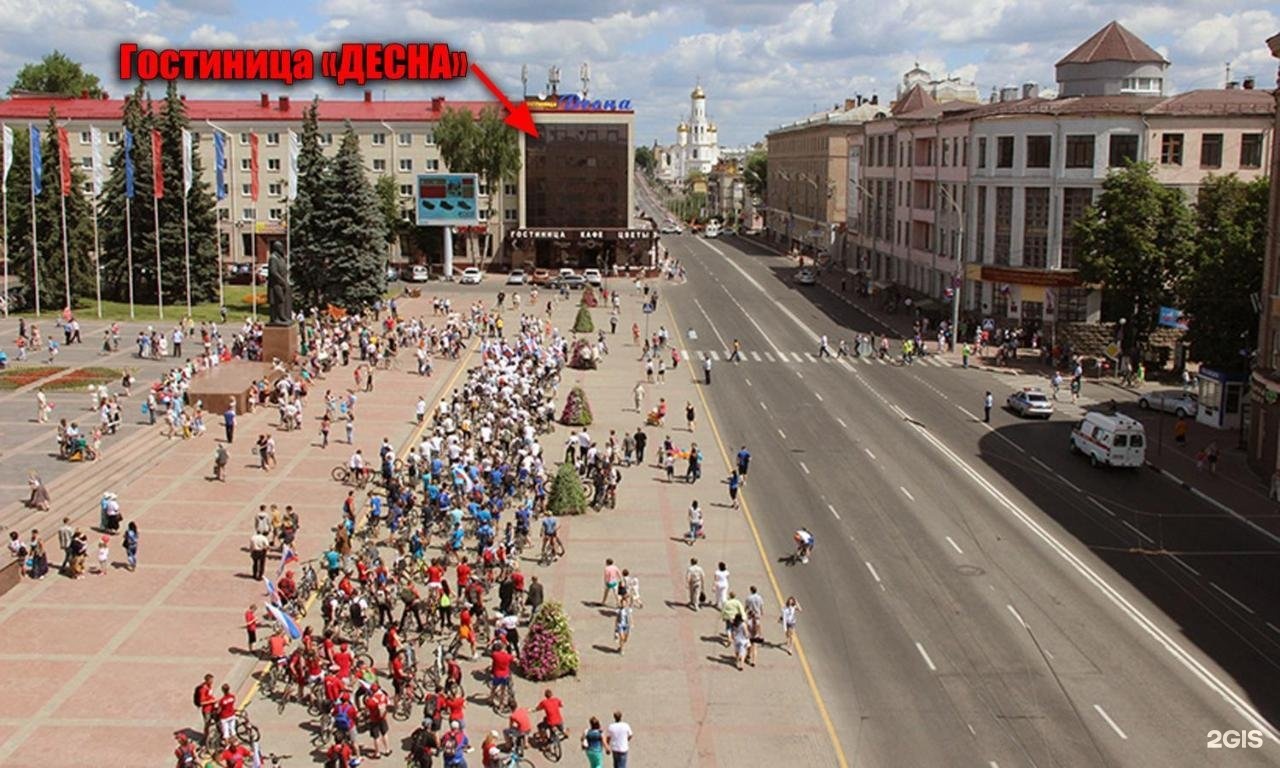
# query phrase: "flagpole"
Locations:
[[128, 242], [4, 206], [159, 283], [186, 246], [66, 258], [253, 260], [97, 259], [35, 263]]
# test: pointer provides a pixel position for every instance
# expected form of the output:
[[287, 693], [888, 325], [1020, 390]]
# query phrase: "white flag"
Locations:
[[8, 155], [95, 141], [186, 160], [295, 146]]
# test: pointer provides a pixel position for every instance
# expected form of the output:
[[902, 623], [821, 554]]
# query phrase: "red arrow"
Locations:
[[518, 117]]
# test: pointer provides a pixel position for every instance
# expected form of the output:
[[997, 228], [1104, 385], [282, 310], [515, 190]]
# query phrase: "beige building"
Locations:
[[1264, 390]]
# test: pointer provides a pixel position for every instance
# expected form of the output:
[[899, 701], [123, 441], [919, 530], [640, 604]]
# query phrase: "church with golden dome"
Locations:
[[697, 146]]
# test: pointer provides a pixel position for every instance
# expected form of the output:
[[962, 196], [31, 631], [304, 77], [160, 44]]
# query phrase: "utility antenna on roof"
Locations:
[[553, 80], [1227, 82], [584, 73], [524, 79]]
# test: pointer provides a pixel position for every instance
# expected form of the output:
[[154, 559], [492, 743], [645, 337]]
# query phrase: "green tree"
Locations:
[[202, 217], [117, 271], [583, 323], [567, 496], [388, 195], [487, 147], [309, 261], [645, 160], [56, 74], [356, 230], [48, 214], [1225, 266], [755, 173], [1132, 240]]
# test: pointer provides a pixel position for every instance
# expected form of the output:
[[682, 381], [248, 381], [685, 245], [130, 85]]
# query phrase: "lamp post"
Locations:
[[957, 282]]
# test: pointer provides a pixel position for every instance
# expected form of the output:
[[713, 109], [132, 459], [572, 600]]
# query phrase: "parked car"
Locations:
[[593, 277], [393, 274], [239, 274], [570, 281], [263, 273], [670, 228], [471, 276], [1030, 401], [712, 230], [541, 276], [418, 273], [806, 276], [1113, 441], [515, 277], [1171, 401], [566, 271]]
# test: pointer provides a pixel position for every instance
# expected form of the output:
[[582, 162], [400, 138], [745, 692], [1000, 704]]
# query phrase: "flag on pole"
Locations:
[[257, 754], [8, 156], [253, 167], [95, 141], [186, 161], [295, 147], [272, 595], [37, 163], [157, 165], [285, 621], [64, 161], [287, 556], [219, 166], [128, 163]]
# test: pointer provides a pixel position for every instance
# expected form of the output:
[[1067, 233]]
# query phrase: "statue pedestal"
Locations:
[[280, 341]]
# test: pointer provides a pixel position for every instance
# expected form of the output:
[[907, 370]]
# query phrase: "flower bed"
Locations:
[[15, 378], [85, 377]]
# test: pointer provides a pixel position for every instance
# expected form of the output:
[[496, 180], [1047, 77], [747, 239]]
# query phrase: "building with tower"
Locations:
[[697, 146]]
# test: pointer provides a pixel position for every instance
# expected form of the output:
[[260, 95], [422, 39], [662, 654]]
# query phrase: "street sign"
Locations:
[[1113, 350], [648, 309], [693, 335]]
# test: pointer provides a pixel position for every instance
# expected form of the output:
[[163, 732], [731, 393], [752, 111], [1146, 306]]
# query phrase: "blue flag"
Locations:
[[37, 164], [128, 163], [219, 165], [285, 621]]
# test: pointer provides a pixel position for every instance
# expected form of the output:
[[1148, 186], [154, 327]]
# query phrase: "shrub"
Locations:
[[548, 651], [583, 356], [583, 322], [577, 411], [567, 496], [589, 298]]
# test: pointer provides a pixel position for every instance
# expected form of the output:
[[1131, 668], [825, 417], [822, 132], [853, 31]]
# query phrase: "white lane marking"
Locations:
[[869, 453], [769, 355], [714, 330], [840, 421], [805, 468], [1274, 627], [810, 357], [955, 546], [797, 356], [1068, 483], [1161, 638], [846, 365], [874, 575], [755, 356], [715, 355], [702, 355], [1230, 597], [750, 319], [1135, 529], [927, 660], [818, 395], [799, 375], [992, 763], [762, 405], [833, 511], [744, 378], [975, 733], [782, 434], [906, 493], [1184, 564], [1101, 506], [1043, 466], [1110, 722], [1016, 615], [1210, 500]]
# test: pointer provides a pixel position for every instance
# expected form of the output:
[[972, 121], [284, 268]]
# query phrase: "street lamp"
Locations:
[[958, 280]]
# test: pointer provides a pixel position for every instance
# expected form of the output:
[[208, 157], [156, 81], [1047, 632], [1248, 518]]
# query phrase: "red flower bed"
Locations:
[[15, 378]]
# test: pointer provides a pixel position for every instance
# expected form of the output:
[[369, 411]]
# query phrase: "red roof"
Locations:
[[198, 110], [1113, 43]]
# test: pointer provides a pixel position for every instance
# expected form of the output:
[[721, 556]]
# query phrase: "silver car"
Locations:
[[1172, 401], [1030, 402], [806, 276]]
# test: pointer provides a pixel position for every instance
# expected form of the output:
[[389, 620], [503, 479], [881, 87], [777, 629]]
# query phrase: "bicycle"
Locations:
[[552, 548], [516, 759], [502, 698], [548, 741], [348, 476]]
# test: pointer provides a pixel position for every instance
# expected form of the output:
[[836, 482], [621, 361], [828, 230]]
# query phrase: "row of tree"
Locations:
[[1149, 248]]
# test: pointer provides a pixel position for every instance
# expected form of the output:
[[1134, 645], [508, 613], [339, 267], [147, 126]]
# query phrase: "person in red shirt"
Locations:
[[235, 753], [466, 631], [340, 754], [206, 702], [297, 667], [226, 708], [398, 673], [185, 752], [346, 587], [519, 724], [499, 670], [333, 688], [251, 626], [344, 661], [377, 706], [287, 588], [463, 573], [552, 719], [276, 645], [457, 705], [433, 709], [435, 575]]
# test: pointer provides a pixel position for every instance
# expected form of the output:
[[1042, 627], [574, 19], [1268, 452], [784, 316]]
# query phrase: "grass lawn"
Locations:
[[17, 377], [239, 306]]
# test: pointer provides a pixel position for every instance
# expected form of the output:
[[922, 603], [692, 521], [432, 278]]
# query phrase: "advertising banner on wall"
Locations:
[[447, 199]]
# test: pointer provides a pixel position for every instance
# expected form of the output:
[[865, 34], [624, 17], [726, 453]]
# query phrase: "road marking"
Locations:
[[975, 733], [1068, 483], [869, 453], [1100, 506], [714, 330], [782, 434], [1134, 528], [1043, 466], [798, 358], [799, 375], [955, 546], [1274, 627], [811, 358], [762, 405], [840, 421], [715, 355], [927, 660], [833, 511], [805, 468], [1016, 615], [744, 378], [819, 396], [769, 355], [906, 493], [1230, 597], [874, 575], [1184, 564], [702, 355], [755, 356], [1110, 722]]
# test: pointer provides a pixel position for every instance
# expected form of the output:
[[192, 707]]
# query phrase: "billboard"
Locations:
[[447, 199]]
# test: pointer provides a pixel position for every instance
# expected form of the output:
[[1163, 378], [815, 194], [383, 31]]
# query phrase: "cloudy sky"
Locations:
[[761, 63]]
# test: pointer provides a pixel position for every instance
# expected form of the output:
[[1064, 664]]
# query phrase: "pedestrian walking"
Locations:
[[593, 744], [706, 371], [740, 640], [637, 396], [965, 352], [823, 349], [695, 579], [987, 402], [788, 618], [619, 735], [612, 578], [258, 546], [351, 426], [43, 407], [744, 463], [736, 355], [228, 420], [688, 415], [641, 440], [131, 545], [735, 482], [65, 535], [103, 554], [613, 324], [251, 627], [1180, 432], [622, 627], [1055, 381], [720, 580]]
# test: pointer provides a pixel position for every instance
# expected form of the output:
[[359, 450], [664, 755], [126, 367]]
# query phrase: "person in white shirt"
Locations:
[[620, 735]]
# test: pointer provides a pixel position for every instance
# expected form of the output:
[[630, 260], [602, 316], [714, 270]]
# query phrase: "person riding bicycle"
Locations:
[[423, 744], [552, 718], [804, 544], [519, 726], [500, 670], [359, 471], [551, 534]]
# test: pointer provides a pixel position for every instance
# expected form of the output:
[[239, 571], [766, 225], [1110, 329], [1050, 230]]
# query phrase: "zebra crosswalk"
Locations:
[[779, 356]]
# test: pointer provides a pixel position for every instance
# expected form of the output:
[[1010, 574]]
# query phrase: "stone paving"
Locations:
[[107, 664]]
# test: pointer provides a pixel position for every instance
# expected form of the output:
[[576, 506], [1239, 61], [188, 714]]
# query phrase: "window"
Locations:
[[247, 214], [1171, 149], [379, 139], [509, 214], [1143, 85], [275, 214], [484, 187], [1004, 224], [1124, 150], [86, 137], [113, 137], [433, 165], [245, 163], [224, 214], [429, 138], [275, 189], [1004, 152], [1039, 149], [273, 139], [1251, 150], [483, 214], [946, 152], [273, 164], [1080, 151], [86, 163], [508, 189], [982, 152], [379, 164], [404, 139], [1035, 236], [1211, 150], [195, 138], [325, 139], [406, 190], [1075, 200], [406, 165], [246, 189], [244, 139]]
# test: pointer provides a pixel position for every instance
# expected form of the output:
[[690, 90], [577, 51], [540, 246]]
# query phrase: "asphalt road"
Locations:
[[978, 595]]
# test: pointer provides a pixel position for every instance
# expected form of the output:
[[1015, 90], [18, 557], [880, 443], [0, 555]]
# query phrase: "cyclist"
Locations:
[[359, 472], [551, 544], [552, 718], [499, 671], [423, 745], [519, 726], [804, 544], [185, 751]]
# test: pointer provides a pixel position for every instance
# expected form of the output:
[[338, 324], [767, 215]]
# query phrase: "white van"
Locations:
[[712, 230], [1113, 441]]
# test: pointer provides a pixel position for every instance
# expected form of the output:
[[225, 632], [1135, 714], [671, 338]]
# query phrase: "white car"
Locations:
[[593, 277], [1172, 401], [806, 276], [419, 273], [1030, 402], [515, 277], [471, 276], [670, 228]]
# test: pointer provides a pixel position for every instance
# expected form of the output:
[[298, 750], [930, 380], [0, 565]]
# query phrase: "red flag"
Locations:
[[64, 161], [253, 167], [157, 165]]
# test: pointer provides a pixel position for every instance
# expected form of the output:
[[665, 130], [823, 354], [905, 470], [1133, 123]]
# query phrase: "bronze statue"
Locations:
[[279, 292]]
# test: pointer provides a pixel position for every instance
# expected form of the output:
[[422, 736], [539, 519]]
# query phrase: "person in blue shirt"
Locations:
[[482, 515], [484, 536], [375, 510], [523, 516], [456, 538], [333, 563], [744, 463]]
